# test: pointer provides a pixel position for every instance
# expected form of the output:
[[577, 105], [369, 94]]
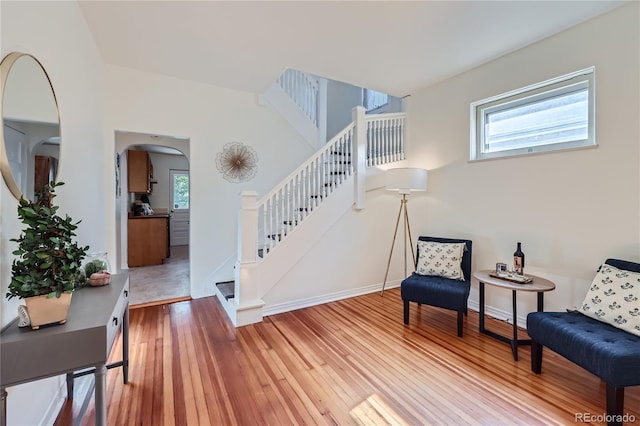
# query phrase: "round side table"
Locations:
[[539, 285]]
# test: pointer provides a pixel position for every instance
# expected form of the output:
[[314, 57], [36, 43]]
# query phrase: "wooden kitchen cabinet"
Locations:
[[148, 240], [140, 172]]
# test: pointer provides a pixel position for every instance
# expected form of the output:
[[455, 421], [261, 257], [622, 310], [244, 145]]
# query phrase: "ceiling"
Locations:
[[391, 46]]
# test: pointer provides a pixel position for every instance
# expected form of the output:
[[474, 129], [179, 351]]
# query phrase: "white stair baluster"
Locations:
[[278, 227], [323, 186], [307, 187], [314, 181], [384, 141], [392, 139], [402, 134], [387, 142], [289, 218], [369, 146], [398, 137], [298, 196], [267, 228], [332, 166], [374, 142]]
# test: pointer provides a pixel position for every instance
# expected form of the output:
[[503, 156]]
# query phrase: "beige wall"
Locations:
[[209, 117], [571, 210], [56, 34]]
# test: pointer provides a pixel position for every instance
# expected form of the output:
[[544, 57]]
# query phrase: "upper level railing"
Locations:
[[385, 138], [302, 88], [370, 140]]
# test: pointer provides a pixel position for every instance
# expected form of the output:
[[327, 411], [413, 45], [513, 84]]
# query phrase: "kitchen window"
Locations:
[[179, 189], [552, 115]]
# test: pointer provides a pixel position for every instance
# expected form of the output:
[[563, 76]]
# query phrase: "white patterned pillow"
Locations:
[[614, 298], [441, 259]]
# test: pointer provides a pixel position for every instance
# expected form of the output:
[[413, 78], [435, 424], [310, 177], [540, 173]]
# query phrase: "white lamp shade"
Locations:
[[405, 180]]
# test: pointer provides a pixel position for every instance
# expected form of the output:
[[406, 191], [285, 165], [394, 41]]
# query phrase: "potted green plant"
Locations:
[[48, 264]]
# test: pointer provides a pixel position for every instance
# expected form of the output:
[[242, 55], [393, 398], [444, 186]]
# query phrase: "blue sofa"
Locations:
[[606, 351]]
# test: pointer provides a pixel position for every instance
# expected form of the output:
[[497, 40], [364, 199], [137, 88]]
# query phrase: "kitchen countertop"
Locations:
[[149, 216]]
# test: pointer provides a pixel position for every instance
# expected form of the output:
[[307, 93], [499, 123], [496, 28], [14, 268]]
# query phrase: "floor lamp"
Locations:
[[404, 181]]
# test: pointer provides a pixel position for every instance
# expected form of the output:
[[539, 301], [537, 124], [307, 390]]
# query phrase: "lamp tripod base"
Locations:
[[404, 212]]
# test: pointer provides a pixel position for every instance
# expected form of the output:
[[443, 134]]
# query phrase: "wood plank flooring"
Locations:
[[189, 366]]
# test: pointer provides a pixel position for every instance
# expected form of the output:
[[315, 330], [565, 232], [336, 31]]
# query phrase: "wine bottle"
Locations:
[[518, 260]]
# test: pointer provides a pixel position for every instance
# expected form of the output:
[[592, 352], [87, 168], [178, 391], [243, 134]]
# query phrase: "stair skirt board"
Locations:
[[227, 288]]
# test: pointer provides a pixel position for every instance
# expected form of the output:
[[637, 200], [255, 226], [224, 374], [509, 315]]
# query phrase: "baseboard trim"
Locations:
[[279, 308], [498, 314]]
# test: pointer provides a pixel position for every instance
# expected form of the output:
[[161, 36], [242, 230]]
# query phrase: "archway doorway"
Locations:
[[152, 216]]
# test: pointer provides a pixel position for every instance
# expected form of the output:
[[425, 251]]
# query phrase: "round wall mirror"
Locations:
[[31, 126]]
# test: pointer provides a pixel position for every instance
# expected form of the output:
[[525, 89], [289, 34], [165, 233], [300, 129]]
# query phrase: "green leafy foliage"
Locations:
[[48, 260], [96, 265]]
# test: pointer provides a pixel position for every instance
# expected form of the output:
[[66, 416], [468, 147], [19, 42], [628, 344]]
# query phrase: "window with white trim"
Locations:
[[552, 115], [179, 189]]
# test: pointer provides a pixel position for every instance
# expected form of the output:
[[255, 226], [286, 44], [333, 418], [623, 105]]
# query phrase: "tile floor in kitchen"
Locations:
[[169, 281]]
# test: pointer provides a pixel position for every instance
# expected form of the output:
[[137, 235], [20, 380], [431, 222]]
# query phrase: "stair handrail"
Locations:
[[369, 140], [327, 147], [369, 118], [282, 209]]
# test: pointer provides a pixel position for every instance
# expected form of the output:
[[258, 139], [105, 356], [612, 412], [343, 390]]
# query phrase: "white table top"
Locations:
[[538, 284]]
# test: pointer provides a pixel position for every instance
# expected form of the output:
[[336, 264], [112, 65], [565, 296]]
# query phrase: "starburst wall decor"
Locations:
[[237, 162]]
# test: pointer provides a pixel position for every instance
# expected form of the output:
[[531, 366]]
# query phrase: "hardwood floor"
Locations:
[[189, 366]]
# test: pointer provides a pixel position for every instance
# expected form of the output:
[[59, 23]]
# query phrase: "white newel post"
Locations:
[[247, 283], [248, 227], [359, 154]]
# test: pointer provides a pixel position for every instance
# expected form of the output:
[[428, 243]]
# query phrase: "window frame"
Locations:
[[172, 175], [532, 94]]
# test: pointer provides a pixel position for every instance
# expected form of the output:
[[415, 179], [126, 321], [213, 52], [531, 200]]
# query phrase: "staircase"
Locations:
[[335, 172]]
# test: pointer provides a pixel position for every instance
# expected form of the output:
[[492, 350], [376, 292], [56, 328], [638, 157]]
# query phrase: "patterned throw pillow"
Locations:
[[441, 259], [614, 298]]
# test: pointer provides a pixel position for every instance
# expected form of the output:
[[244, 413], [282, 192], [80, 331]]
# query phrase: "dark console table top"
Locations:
[[83, 341]]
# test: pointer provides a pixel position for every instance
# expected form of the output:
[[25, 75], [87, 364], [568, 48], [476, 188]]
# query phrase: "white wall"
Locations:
[[209, 117], [571, 210], [56, 34], [349, 259]]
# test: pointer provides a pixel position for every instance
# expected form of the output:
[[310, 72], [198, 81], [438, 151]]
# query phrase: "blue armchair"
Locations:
[[608, 352], [438, 291]]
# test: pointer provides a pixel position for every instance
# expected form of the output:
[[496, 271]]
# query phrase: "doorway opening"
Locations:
[[152, 217]]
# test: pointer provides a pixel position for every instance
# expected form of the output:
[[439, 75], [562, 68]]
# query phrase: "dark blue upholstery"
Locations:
[[606, 351], [602, 349], [437, 291]]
